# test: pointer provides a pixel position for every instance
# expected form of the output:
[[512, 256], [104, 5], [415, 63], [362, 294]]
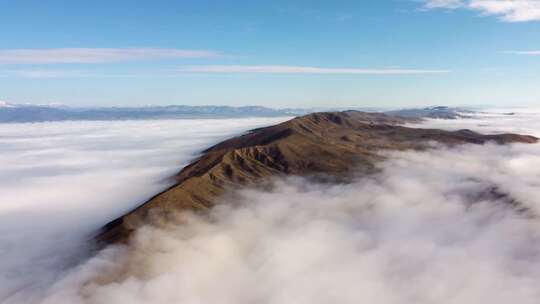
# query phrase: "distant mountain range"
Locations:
[[12, 113], [39, 113]]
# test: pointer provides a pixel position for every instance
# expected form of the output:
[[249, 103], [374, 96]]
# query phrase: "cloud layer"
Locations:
[[506, 10], [439, 226], [217, 69], [419, 232], [61, 181], [285, 69], [442, 226], [529, 53], [96, 55]]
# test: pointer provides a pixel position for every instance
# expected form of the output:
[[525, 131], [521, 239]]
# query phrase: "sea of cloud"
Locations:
[[448, 225], [60, 181], [492, 121]]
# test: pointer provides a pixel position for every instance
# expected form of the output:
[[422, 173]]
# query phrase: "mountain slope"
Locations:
[[318, 145]]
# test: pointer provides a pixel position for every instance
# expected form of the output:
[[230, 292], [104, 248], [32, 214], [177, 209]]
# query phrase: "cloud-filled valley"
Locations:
[[446, 225], [60, 181], [270, 152]]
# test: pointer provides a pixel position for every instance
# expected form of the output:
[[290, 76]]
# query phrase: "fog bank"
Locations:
[[60, 181], [455, 225], [422, 231], [442, 226]]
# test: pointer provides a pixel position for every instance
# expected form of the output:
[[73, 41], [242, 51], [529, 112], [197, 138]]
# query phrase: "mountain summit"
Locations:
[[319, 145]]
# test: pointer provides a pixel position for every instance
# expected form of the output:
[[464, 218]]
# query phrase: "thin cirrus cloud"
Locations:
[[216, 69], [285, 69], [505, 10], [528, 53], [61, 73], [96, 55], [38, 74], [444, 4]]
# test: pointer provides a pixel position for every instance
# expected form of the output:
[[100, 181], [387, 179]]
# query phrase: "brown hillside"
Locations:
[[322, 143]]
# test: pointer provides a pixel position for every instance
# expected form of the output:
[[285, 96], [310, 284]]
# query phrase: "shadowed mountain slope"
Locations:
[[315, 145]]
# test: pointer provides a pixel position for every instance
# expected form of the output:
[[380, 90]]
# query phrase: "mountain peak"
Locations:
[[318, 145]]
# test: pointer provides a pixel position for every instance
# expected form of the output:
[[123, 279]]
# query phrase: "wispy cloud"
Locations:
[[286, 69], [59, 181], [505, 10], [49, 74], [529, 53], [451, 4], [96, 55], [212, 69], [430, 218], [64, 73]]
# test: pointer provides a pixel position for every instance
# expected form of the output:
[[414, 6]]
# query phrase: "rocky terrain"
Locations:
[[319, 145]]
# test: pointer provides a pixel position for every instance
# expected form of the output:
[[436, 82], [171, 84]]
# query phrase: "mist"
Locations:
[[491, 121], [419, 232], [446, 225], [61, 181]]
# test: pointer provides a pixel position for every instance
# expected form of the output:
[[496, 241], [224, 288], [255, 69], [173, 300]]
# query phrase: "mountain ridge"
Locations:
[[317, 145]]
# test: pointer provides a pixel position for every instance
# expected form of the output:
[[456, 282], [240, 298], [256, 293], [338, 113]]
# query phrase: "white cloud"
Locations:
[[42, 73], [63, 73], [529, 53], [95, 55], [284, 69], [494, 120], [60, 181], [214, 69], [412, 234], [451, 4], [418, 232], [506, 10]]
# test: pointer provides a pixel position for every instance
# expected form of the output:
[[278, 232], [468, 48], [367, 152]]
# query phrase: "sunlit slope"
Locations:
[[319, 145]]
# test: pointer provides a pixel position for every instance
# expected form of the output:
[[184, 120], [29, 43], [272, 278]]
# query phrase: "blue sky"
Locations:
[[273, 53]]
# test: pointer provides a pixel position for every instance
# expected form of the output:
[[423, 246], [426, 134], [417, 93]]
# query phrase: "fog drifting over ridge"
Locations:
[[408, 235], [492, 121], [423, 230]]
